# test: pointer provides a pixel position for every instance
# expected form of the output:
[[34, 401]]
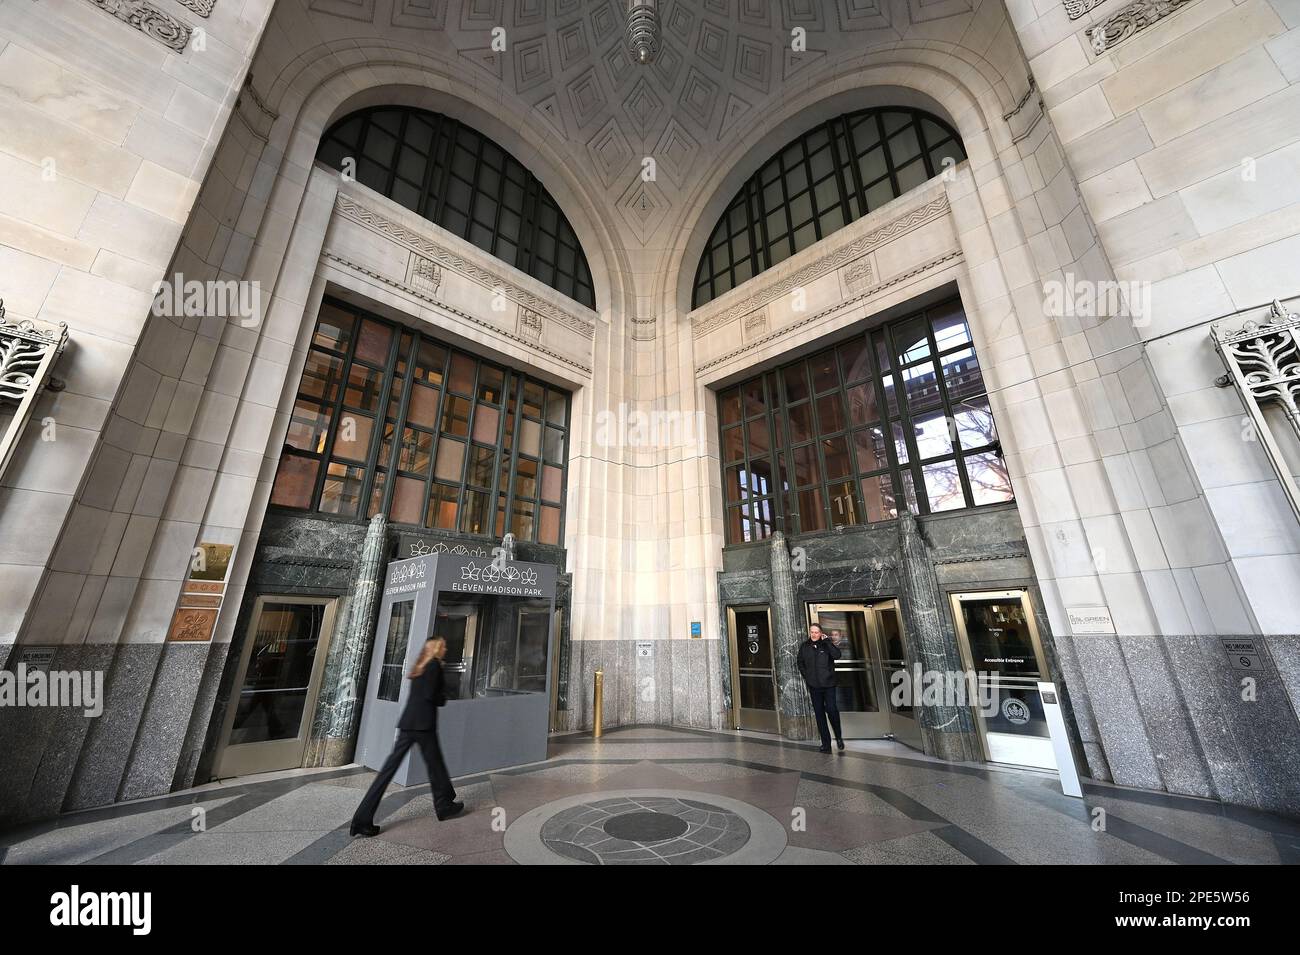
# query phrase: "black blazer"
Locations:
[[421, 712]]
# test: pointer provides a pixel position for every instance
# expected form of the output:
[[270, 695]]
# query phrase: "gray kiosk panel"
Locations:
[[497, 617]]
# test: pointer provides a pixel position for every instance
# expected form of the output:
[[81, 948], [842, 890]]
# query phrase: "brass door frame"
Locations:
[[963, 642], [764, 721], [910, 725], [468, 656], [245, 759]]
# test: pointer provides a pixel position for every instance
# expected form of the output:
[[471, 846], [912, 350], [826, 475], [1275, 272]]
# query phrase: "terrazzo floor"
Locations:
[[674, 796]]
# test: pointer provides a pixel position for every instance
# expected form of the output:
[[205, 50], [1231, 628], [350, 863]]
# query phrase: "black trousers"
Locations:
[[443, 792], [825, 706]]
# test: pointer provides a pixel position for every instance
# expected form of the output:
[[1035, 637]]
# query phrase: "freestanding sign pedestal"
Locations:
[[498, 725], [1060, 740]]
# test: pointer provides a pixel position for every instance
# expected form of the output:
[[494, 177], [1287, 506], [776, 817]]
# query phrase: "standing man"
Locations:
[[817, 656]]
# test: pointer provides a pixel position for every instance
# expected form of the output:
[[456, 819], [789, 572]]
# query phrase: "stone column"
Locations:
[[792, 698], [338, 711], [948, 731]]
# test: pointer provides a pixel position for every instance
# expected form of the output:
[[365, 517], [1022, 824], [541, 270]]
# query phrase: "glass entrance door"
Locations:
[[458, 625], [999, 641], [862, 691], [753, 676], [278, 681], [903, 722]]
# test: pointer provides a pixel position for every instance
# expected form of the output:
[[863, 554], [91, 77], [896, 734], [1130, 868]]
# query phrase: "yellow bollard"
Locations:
[[598, 709]]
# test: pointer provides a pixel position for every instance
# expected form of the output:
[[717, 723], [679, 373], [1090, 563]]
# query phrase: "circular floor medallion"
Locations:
[[645, 827]]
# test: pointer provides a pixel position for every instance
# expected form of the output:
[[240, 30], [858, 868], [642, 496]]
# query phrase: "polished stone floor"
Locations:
[[661, 795]]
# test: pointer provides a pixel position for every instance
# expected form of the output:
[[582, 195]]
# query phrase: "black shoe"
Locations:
[[369, 830], [455, 809], [840, 742], [824, 749]]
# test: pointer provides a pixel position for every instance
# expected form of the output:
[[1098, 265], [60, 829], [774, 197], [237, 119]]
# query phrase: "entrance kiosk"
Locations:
[[497, 617]]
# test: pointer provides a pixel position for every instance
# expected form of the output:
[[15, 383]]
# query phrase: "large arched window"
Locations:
[[467, 184], [820, 182]]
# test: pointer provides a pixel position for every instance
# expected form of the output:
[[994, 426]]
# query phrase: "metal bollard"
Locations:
[[598, 708]]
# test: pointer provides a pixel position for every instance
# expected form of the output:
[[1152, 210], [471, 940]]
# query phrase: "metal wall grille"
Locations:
[[464, 182], [391, 421], [899, 413], [819, 183]]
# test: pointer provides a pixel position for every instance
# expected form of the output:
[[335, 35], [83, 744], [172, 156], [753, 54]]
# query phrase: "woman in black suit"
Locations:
[[418, 727]]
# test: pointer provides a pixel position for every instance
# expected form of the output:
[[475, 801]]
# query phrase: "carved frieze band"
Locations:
[[149, 20], [840, 306], [448, 259], [202, 7], [828, 263], [533, 343], [1130, 21], [1077, 8]]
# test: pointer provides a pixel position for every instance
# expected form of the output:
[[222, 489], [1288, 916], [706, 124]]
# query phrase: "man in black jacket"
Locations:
[[817, 656], [418, 726]]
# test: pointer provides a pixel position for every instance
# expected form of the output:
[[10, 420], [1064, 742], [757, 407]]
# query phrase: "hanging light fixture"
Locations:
[[643, 29]]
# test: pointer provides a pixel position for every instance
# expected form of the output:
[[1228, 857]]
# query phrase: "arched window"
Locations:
[[820, 182], [460, 179]]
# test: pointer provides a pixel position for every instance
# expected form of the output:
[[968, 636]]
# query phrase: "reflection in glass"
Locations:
[[274, 694], [395, 644]]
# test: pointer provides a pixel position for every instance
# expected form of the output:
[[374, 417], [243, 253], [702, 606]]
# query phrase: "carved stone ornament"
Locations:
[[150, 20], [1263, 361], [1133, 19], [27, 353]]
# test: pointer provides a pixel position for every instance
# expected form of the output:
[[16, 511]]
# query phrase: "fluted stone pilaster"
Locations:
[[788, 632], [338, 710], [948, 730]]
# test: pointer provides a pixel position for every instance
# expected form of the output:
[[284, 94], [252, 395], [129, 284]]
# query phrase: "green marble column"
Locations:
[[948, 731], [338, 710], [788, 632]]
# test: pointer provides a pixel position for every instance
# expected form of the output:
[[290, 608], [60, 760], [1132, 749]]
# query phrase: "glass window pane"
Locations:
[[373, 342], [862, 404], [308, 427], [733, 444], [474, 517], [922, 387], [844, 505], [835, 453], [806, 470], [342, 491], [417, 447], [462, 374], [455, 416], [486, 421], [812, 516], [933, 434], [556, 406], [408, 501], [943, 486], [760, 440], [442, 507], [801, 426], [825, 372], [548, 528], [423, 409], [482, 462], [451, 460], [321, 376], [530, 437], [879, 194], [334, 328], [552, 483], [830, 413], [911, 176], [295, 481], [352, 439], [869, 447], [796, 382], [878, 497], [364, 386], [521, 519], [553, 450], [973, 422], [429, 362], [989, 481], [961, 374]]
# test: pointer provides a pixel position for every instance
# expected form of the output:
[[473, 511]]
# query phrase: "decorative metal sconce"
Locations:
[[27, 353], [643, 29], [1263, 363]]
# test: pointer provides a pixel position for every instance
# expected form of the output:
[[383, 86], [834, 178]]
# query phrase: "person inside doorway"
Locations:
[[417, 726], [817, 656]]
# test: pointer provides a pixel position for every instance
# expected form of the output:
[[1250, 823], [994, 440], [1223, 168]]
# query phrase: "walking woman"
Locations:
[[417, 727]]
